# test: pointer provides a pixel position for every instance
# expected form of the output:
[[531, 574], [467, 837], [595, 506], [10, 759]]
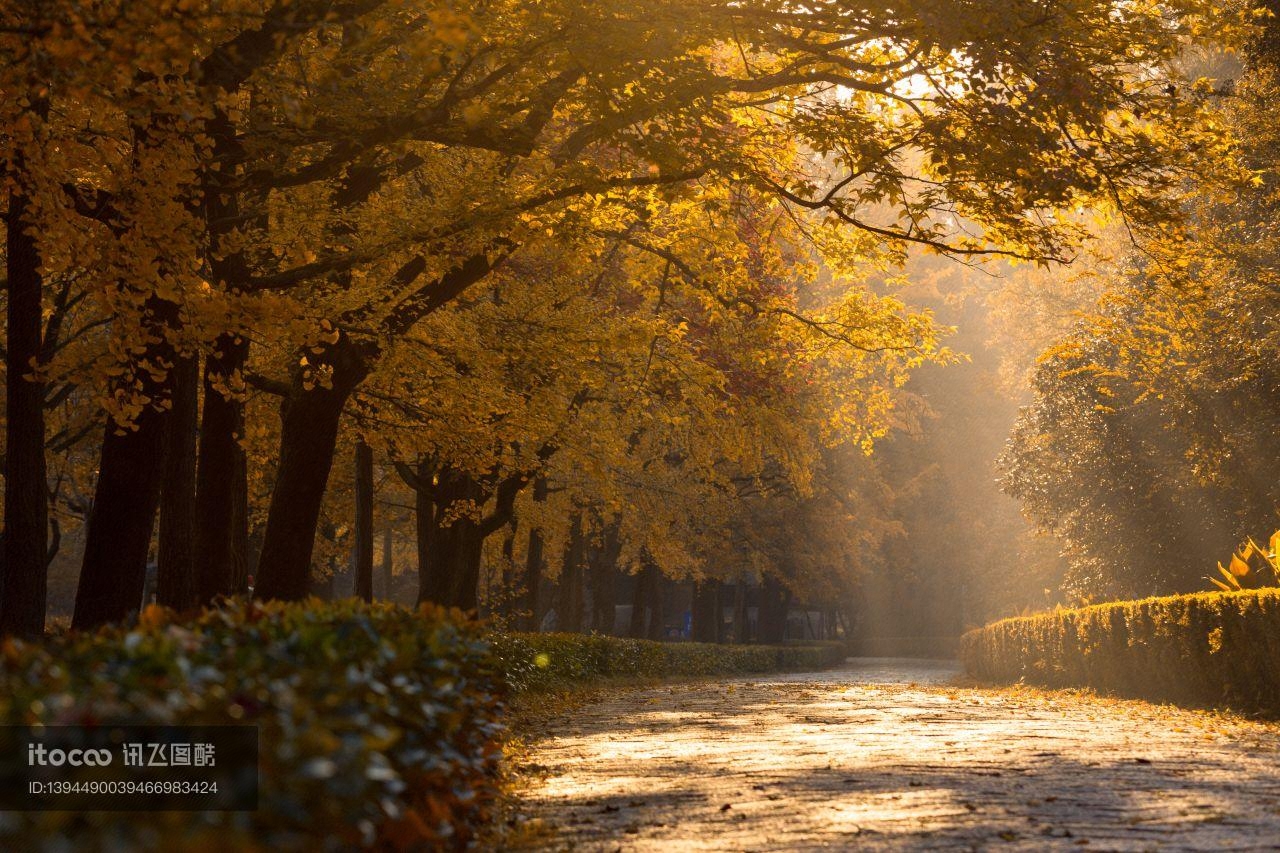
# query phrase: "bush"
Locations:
[[538, 661], [1210, 648], [377, 725]]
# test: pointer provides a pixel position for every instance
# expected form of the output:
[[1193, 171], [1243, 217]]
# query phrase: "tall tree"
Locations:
[[22, 565]]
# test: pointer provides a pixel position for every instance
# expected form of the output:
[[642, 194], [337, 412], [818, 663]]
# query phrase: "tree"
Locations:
[[1147, 447], [1062, 130], [305, 175]]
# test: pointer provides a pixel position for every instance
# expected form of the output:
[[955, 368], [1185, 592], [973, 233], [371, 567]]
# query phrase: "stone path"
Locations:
[[884, 755]]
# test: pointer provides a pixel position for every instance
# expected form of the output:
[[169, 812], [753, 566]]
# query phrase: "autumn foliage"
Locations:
[[560, 279]]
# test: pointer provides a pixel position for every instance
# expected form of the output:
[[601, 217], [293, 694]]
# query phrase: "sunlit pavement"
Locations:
[[882, 754]]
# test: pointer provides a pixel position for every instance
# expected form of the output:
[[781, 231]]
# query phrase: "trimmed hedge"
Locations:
[[539, 661], [1210, 648], [378, 726]]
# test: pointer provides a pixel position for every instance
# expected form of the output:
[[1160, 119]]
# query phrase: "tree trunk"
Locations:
[[175, 561], [508, 576], [604, 577], [222, 499], [308, 438], [458, 564], [657, 604], [387, 564], [706, 611], [448, 554], [640, 599], [221, 552], [364, 521], [23, 578], [775, 600], [741, 629], [533, 566], [240, 525], [424, 523], [451, 575], [114, 570], [569, 607]]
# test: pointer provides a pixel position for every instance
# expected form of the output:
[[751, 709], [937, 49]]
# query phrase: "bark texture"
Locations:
[[23, 579]]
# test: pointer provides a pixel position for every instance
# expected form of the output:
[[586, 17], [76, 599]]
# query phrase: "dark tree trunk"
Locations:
[[240, 524], [657, 604], [509, 577], [449, 554], [118, 538], [175, 560], [364, 521], [604, 580], [131, 466], [640, 598], [569, 605], [706, 611], [222, 524], [221, 551], [741, 629], [775, 600], [387, 564], [308, 437], [533, 566], [454, 576], [424, 523], [23, 578]]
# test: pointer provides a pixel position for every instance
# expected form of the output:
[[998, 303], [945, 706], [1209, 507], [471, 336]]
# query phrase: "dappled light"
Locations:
[[895, 760]]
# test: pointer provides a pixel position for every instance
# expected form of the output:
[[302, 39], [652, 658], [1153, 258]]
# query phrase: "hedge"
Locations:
[[378, 726], [1210, 648], [538, 661]]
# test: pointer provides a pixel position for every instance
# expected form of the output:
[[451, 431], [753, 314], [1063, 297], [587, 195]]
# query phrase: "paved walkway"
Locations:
[[883, 755]]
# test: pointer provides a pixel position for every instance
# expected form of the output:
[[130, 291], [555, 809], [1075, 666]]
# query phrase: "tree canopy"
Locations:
[[615, 276]]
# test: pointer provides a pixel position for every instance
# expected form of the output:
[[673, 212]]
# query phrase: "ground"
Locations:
[[889, 755]]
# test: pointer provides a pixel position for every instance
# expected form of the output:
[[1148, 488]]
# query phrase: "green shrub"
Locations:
[[536, 661], [377, 725], [1219, 648]]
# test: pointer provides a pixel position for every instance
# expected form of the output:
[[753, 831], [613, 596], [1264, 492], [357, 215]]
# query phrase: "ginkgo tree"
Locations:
[[324, 177], [621, 371], [1077, 141]]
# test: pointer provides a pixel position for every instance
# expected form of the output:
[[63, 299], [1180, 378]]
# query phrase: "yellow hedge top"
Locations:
[[1208, 648], [1210, 600]]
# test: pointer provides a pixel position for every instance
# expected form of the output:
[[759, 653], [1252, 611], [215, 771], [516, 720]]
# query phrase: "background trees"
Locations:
[[1149, 448]]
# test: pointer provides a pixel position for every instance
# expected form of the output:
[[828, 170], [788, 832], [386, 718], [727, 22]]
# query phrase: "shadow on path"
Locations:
[[885, 755]]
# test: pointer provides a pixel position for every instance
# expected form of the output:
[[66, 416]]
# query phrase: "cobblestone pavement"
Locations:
[[885, 755]]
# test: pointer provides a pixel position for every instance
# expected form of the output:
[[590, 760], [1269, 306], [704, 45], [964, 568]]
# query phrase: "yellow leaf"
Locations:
[[1231, 579], [1239, 567]]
